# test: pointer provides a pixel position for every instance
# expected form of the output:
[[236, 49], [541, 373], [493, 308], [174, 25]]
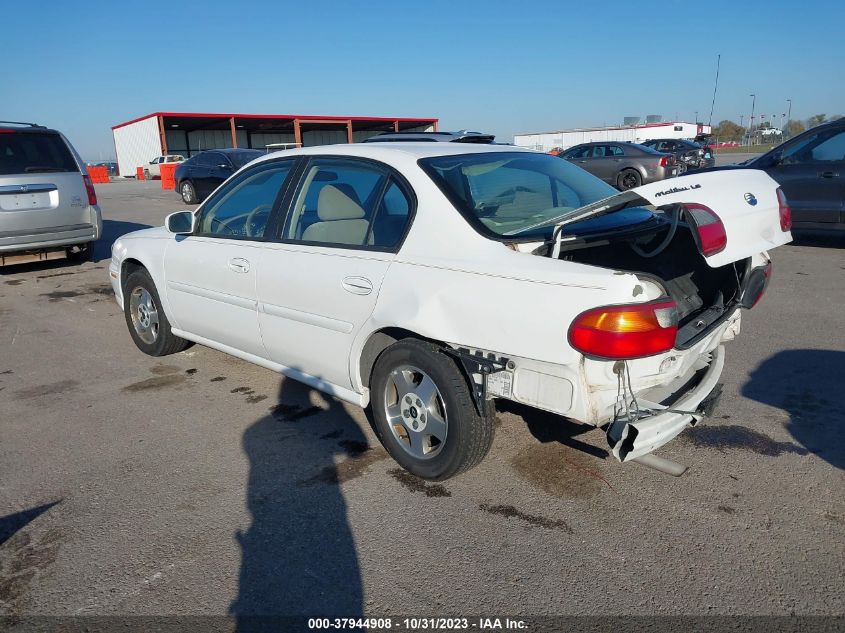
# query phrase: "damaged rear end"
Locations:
[[698, 249]]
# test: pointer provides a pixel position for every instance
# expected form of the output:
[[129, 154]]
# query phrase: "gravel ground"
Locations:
[[200, 484]]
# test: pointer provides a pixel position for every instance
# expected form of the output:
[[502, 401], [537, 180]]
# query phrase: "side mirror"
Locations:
[[181, 223]]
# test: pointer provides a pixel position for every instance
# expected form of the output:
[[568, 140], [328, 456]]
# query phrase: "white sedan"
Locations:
[[425, 280]]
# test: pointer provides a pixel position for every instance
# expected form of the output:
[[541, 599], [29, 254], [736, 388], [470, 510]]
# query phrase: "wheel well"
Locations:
[[380, 341], [129, 267]]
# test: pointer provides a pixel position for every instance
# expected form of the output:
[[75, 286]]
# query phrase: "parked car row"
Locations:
[[623, 165]]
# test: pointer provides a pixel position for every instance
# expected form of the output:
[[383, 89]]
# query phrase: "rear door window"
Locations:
[[30, 153]]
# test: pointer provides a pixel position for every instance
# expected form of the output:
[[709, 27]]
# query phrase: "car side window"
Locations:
[[614, 150], [336, 203], [599, 151], [830, 149], [392, 217], [243, 208]]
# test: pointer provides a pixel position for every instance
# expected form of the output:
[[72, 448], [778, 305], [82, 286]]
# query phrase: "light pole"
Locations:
[[788, 116], [751, 124]]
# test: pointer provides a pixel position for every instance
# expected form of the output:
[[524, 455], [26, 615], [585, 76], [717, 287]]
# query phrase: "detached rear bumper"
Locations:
[[629, 440]]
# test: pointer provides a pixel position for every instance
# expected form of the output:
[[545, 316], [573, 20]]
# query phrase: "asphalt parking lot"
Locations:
[[200, 484]]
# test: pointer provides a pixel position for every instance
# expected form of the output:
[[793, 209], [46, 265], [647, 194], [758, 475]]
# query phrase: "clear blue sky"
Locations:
[[496, 66]]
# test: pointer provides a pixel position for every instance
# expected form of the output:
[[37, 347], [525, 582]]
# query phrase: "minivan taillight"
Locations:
[[784, 211], [626, 331], [89, 187], [709, 230]]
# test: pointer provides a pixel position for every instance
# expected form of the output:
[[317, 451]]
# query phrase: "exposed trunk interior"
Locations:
[[704, 295]]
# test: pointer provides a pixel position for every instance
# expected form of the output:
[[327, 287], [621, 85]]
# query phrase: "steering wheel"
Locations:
[[248, 223]]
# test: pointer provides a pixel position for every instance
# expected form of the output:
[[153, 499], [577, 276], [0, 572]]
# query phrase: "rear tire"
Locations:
[[189, 194], [148, 324], [628, 179], [424, 413], [80, 252]]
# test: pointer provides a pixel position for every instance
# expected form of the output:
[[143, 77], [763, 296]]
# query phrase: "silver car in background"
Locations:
[[47, 200], [623, 165]]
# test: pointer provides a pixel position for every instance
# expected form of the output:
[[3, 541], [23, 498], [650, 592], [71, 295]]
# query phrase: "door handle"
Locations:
[[239, 265], [357, 285], [828, 174]]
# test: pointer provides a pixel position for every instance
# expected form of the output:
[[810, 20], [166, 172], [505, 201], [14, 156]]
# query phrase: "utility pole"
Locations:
[[751, 124], [788, 116]]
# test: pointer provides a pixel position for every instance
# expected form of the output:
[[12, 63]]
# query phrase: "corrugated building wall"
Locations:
[[136, 145]]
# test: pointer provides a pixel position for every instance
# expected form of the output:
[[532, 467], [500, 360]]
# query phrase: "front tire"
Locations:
[[424, 413], [189, 194], [628, 179], [148, 324], [147, 175]]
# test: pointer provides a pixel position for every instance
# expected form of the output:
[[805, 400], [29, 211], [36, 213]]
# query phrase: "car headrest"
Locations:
[[333, 204]]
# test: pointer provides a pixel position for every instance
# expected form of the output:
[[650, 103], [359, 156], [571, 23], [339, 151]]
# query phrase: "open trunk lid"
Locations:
[[744, 199]]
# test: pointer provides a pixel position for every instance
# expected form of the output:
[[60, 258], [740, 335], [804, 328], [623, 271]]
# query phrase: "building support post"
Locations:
[[162, 135], [349, 131], [396, 126], [234, 131], [297, 133]]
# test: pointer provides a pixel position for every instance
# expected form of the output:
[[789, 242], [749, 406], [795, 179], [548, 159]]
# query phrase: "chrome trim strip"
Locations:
[[205, 293], [24, 188], [317, 320]]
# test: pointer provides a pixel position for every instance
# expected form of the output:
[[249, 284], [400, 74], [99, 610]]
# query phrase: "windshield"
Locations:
[[503, 194]]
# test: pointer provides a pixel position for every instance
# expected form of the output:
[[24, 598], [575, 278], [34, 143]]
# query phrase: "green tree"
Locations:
[[793, 128], [728, 131], [816, 119]]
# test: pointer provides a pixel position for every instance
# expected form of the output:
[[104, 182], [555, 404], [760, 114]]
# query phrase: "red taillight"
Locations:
[[664, 160], [711, 234], [627, 331], [89, 187], [785, 211]]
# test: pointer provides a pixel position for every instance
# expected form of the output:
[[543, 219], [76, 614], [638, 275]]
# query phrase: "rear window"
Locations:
[[31, 153], [503, 194], [239, 159]]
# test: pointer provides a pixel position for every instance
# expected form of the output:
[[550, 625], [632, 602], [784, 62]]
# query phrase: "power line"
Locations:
[[715, 86]]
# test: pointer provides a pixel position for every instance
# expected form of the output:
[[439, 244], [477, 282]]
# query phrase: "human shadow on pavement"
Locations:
[[807, 384], [11, 523], [298, 555]]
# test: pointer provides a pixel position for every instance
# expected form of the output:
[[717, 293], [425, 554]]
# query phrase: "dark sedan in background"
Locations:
[[810, 169], [690, 155], [623, 165], [201, 174]]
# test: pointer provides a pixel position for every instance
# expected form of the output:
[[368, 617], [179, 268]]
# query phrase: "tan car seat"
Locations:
[[341, 219]]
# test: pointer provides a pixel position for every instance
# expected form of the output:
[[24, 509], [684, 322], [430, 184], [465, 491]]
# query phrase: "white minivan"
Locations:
[[47, 200]]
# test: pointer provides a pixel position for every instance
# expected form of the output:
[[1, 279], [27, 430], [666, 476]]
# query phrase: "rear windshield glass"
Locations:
[[28, 153], [503, 194]]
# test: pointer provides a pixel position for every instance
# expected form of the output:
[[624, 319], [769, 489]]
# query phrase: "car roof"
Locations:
[[383, 151]]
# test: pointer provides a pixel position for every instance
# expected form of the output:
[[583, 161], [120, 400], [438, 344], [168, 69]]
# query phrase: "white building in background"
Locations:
[[564, 139], [140, 140]]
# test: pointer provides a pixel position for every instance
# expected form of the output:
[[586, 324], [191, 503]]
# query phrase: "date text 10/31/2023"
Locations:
[[418, 624]]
